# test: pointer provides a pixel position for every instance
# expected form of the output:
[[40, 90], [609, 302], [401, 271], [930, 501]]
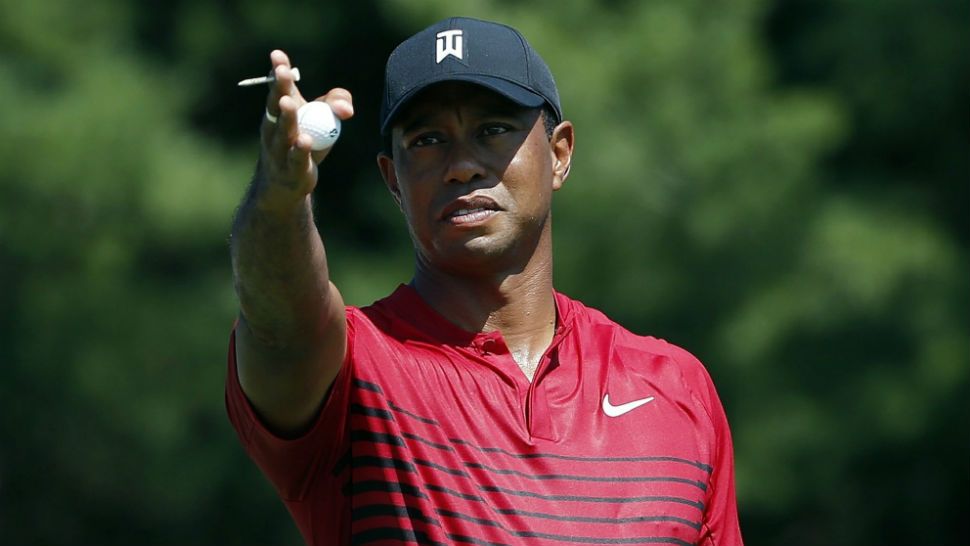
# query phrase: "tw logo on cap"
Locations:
[[449, 42]]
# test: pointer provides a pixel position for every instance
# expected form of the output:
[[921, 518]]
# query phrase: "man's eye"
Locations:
[[425, 140], [495, 129]]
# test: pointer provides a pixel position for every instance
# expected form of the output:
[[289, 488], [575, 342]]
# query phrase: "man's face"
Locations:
[[474, 174]]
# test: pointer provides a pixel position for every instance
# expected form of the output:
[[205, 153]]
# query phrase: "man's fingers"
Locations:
[[340, 101], [284, 84], [279, 58], [282, 138], [288, 128], [298, 156], [287, 158]]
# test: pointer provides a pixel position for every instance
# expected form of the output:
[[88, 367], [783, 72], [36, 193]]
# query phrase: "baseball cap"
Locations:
[[492, 55]]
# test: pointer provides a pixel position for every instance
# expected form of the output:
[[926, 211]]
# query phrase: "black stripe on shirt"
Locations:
[[593, 540], [417, 438], [394, 510], [390, 533], [371, 412], [363, 435], [361, 461], [368, 386], [587, 519], [436, 466], [706, 467], [473, 540], [456, 515], [700, 485], [599, 540], [376, 437], [368, 486], [390, 439], [384, 414], [579, 498], [399, 409], [454, 493]]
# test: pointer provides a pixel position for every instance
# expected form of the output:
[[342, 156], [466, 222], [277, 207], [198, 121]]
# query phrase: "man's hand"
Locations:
[[287, 165], [291, 335]]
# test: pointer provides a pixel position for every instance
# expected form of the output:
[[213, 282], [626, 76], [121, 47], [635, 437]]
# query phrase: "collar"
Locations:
[[416, 319]]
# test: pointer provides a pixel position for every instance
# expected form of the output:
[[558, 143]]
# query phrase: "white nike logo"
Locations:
[[616, 411]]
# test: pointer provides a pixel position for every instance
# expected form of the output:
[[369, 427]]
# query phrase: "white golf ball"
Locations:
[[317, 120]]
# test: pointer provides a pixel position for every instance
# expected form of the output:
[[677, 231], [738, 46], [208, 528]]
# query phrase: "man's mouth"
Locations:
[[465, 216], [470, 210]]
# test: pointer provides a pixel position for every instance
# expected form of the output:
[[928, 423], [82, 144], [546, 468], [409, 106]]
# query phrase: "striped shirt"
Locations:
[[433, 435]]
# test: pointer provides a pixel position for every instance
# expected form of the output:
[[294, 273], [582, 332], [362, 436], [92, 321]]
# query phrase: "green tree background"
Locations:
[[781, 187]]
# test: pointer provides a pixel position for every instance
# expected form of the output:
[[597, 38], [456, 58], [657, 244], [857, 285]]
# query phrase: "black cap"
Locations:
[[489, 54]]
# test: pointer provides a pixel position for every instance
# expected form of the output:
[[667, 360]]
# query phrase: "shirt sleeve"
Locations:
[[720, 523], [720, 527], [291, 464]]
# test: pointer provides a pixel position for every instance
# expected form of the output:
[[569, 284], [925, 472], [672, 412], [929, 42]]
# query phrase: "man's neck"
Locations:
[[521, 305]]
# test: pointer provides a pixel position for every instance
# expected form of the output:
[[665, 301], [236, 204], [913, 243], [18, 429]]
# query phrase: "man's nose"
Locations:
[[464, 164]]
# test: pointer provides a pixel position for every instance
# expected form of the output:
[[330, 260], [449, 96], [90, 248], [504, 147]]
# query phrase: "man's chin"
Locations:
[[476, 256]]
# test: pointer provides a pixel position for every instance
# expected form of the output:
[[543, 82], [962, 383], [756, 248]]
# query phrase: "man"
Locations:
[[474, 405]]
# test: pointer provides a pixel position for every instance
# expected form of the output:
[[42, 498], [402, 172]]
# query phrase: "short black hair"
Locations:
[[548, 122]]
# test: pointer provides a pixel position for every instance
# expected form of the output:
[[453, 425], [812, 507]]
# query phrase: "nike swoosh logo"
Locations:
[[616, 411]]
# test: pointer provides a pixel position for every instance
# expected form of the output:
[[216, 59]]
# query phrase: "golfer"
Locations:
[[475, 404]]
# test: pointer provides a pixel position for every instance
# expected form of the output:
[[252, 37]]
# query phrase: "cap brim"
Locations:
[[507, 89]]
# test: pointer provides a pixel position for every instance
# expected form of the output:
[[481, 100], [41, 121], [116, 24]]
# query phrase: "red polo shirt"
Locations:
[[433, 435]]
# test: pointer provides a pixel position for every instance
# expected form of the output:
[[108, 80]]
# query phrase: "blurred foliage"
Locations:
[[780, 187]]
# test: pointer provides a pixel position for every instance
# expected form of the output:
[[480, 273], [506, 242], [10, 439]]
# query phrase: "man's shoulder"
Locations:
[[382, 310], [591, 319], [404, 317], [587, 317]]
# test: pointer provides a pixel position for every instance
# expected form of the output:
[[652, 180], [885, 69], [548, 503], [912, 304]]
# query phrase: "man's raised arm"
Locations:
[[291, 335]]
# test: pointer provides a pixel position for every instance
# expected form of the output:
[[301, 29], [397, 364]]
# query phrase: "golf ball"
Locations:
[[317, 120]]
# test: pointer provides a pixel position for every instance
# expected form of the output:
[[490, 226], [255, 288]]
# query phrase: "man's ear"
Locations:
[[561, 148], [386, 165]]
